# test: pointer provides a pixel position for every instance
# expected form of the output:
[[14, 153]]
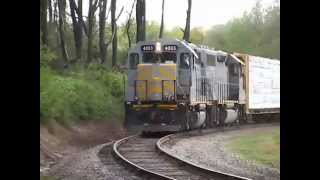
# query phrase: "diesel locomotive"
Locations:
[[176, 85]]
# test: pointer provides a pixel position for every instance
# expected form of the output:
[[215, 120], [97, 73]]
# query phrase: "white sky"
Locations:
[[204, 13]]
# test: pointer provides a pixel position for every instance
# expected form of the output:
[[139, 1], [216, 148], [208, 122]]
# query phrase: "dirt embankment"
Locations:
[[58, 142]]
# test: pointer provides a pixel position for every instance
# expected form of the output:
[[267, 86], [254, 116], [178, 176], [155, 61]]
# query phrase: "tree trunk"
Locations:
[[55, 22], [140, 19], [91, 22], [50, 11], [43, 21], [77, 27], [114, 31], [55, 12], [129, 24], [186, 34], [161, 27], [79, 32], [62, 6], [102, 24]]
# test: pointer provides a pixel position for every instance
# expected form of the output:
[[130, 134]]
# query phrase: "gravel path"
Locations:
[[87, 165], [209, 151]]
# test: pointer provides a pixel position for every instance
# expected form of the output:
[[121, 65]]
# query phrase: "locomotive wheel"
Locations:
[[188, 120], [205, 123], [126, 116], [182, 116], [242, 116], [221, 115], [218, 116], [131, 117], [208, 121], [212, 116], [238, 108]]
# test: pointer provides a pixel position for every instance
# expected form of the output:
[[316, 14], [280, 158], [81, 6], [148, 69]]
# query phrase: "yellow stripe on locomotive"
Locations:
[[155, 80]]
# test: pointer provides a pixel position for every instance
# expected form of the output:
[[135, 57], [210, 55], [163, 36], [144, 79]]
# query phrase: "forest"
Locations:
[[83, 55]]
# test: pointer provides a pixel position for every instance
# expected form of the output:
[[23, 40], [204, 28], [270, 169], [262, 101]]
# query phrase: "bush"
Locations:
[[46, 56], [93, 94]]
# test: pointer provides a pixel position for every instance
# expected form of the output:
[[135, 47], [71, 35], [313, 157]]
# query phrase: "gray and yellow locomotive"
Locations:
[[175, 85]]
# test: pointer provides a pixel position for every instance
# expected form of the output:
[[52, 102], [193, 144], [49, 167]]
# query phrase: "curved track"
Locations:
[[116, 170], [146, 157], [173, 137]]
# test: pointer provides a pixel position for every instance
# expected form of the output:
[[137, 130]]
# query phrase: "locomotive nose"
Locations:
[[155, 82]]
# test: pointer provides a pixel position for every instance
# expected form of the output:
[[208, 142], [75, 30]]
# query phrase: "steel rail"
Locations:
[[152, 174], [201, 168]]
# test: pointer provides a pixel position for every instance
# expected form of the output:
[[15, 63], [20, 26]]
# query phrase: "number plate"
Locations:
[[147, 48], [170, 48]]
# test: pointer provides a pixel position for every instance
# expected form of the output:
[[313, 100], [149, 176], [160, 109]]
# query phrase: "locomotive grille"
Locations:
[[155, 82]]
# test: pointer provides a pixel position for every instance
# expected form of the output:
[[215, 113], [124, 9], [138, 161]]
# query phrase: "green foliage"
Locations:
[[153, 29], [197, 35], [175, 33], [92, 94], [257, 32], [46, 56]]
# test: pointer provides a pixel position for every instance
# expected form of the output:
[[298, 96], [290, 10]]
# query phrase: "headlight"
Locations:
[[158, 47]]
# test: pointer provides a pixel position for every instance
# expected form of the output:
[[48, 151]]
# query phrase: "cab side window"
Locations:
[[221, 58], [134, 60], [185, 60], [211, 60]]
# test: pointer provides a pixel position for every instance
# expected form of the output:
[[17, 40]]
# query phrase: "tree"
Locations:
[[114, 31], [175, 33], [50, 11], [103, 16], [62, 8], [128, 24], [55, 13], [153, 30], [197, 35], [77, 26], [215, 37], [161, 26], [93, 5], [55, 25], [257, 32], [186, 34], [43, 21], [141, 20], [102, 23]]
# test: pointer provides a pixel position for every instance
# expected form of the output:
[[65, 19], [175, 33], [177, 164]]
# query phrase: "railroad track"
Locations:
[[137, 157], [147, 157], [173, 137], [116, 170]]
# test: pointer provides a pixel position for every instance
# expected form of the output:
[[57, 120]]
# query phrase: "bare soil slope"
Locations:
[[58, 142]]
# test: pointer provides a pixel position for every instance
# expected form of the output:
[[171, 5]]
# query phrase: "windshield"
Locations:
[[165, 57]]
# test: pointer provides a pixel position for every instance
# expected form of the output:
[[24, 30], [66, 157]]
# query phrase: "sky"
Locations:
[[204, 13]]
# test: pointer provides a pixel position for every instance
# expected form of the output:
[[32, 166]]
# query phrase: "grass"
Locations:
[[262, 147]]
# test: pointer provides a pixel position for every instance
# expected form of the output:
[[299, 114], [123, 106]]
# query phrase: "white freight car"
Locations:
[[260, 91]]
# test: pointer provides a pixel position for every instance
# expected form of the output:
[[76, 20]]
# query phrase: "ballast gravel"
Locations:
[[209, 151], [87, 165]]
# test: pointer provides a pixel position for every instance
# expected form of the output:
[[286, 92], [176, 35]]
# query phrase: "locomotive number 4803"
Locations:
[[147, 48]]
